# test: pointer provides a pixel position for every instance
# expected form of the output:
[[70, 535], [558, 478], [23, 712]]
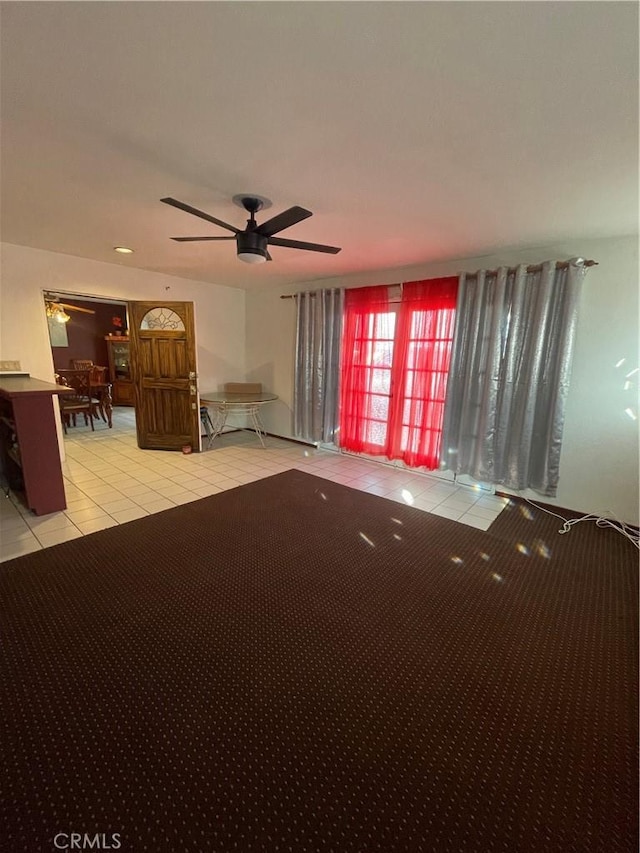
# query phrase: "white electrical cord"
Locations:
[[609, 520]]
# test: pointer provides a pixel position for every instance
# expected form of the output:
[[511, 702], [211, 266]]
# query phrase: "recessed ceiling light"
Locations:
[[123, 250]]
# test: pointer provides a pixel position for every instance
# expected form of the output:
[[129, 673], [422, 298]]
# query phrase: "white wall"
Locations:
[[25, 273], [599, 464]]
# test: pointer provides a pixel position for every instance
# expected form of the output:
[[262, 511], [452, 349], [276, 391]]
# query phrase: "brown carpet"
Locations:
[[296, 666]]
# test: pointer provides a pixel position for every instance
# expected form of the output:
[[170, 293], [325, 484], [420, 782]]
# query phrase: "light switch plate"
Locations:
[[10, 365]]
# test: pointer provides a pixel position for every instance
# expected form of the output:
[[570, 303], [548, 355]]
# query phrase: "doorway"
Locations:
[[91, 329]]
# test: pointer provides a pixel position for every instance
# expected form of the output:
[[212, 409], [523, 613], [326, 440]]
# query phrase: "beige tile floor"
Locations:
[[109, 481]]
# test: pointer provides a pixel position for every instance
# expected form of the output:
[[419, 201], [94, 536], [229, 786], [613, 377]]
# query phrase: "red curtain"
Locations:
[[364, 404], [395, 362], [420, 368]]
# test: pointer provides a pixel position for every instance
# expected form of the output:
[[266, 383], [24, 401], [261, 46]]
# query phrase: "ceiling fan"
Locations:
[[252, 242], [58, 310]]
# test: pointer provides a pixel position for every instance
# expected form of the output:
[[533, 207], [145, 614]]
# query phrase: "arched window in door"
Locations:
[[162, 319]]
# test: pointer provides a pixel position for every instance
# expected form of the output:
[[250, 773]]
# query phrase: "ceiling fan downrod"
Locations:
[[252, 206]]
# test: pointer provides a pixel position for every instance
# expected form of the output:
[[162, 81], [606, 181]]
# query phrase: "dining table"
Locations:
[[226, 403]]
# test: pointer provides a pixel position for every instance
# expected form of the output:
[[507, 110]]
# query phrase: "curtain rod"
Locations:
[[560, 265]]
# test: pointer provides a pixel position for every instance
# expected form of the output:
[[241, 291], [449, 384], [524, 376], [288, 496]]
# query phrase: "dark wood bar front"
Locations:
[[29, 448]]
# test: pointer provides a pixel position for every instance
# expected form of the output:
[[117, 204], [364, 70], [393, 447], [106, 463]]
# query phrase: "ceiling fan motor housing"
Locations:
[[252, 243]]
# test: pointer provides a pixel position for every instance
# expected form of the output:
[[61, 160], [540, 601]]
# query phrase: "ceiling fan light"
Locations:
[[252, 256], [56, 312], [252, 247]]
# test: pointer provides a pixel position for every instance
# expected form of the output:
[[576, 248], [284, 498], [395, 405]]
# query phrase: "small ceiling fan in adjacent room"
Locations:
[[57, 310], [252, 242]]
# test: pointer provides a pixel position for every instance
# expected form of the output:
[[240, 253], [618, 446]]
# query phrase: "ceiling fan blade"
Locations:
[[195, 239], [76, 308], [296, 244], [283, 220], [269, 258], [194, 210]]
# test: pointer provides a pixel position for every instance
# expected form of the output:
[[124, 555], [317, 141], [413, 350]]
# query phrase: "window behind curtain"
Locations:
[[394, 370], [420, 370], [367, 357]]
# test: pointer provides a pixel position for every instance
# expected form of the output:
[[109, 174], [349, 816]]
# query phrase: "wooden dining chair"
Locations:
[[98, 374], [81, 363], [100, 389], [78, 403]]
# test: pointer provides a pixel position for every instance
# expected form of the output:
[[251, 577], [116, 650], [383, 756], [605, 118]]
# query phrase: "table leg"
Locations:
[[257, 424]]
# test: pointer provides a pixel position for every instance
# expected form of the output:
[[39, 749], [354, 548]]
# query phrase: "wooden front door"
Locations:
[[163, 370]]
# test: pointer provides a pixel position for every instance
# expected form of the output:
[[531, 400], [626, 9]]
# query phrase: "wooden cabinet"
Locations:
[[29, 450], [120, 370]]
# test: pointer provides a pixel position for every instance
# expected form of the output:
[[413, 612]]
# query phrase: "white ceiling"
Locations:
[[415, 131]]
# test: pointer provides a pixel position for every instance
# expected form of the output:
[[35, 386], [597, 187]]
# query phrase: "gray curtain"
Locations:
[[317, 366], [509, 375]]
